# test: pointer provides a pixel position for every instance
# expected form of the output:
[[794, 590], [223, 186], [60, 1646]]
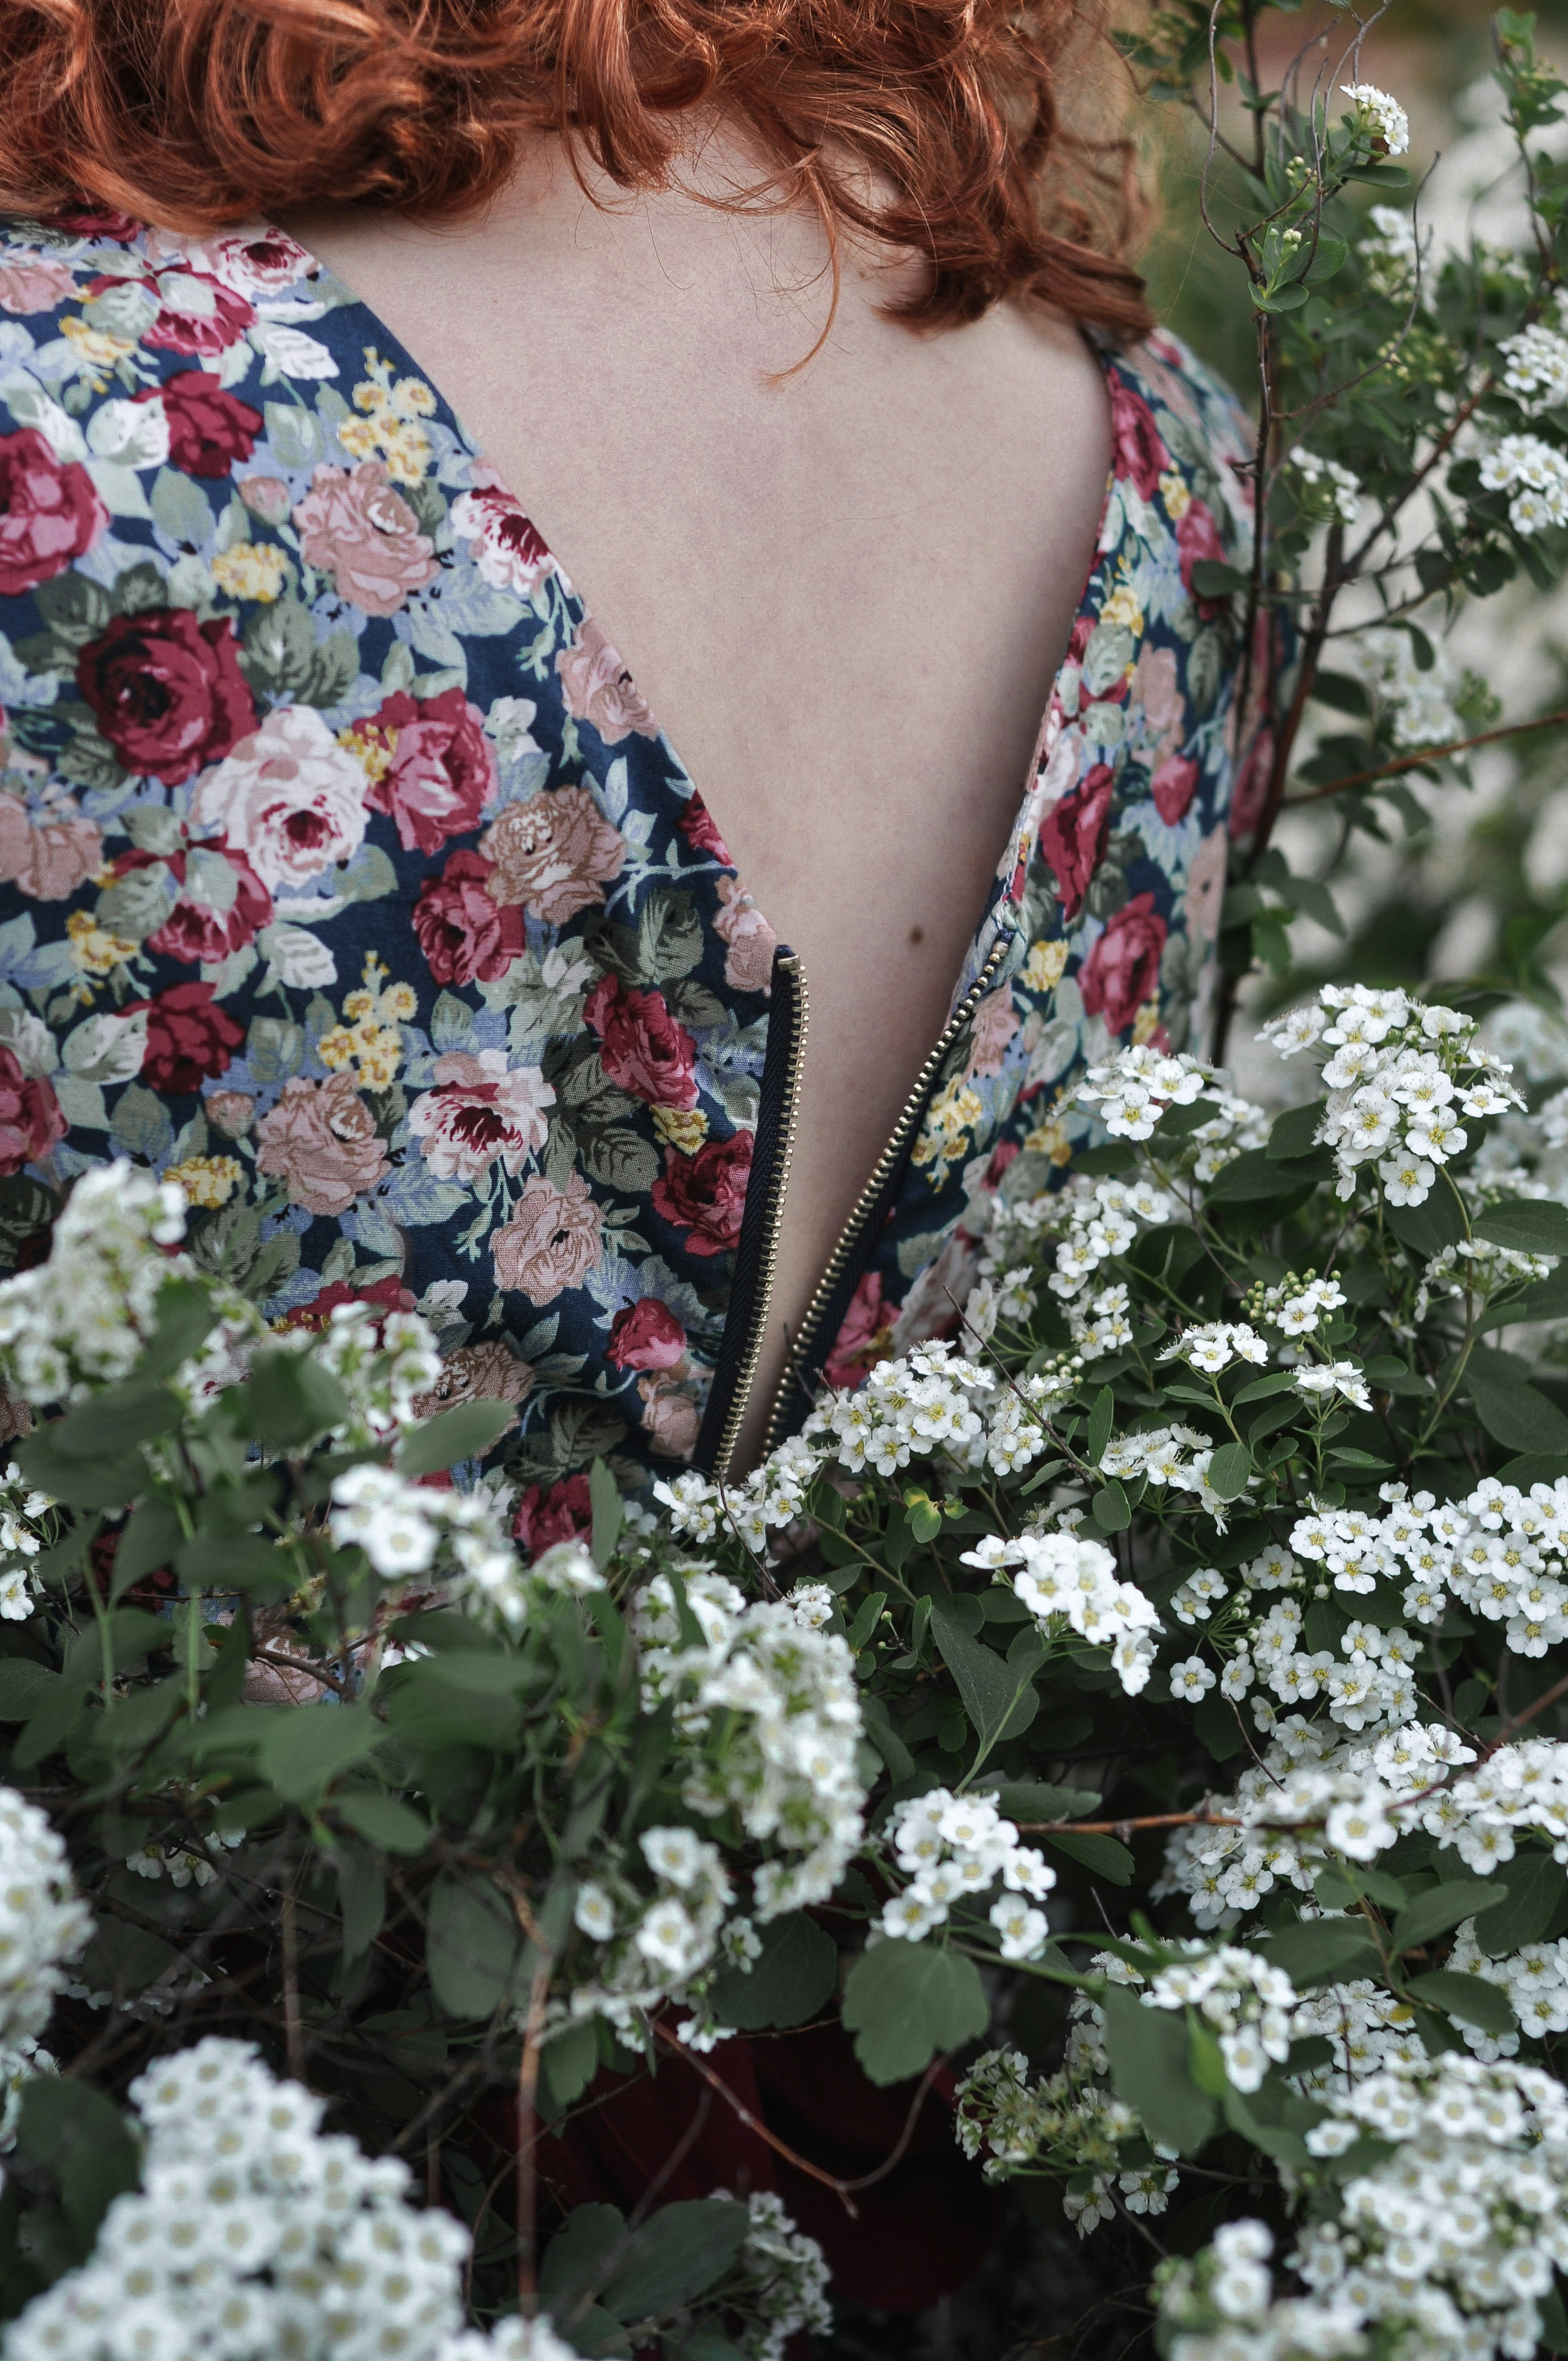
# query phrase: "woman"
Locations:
[[349, 877]]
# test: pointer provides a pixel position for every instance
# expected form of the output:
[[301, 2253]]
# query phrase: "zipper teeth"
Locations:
[[800, 1016], [866, 1203]]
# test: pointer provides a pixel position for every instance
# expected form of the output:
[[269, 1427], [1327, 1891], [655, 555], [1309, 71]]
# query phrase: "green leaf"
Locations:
[[464, 1431], [119, 1416], [580, 2257], [1278, 1381], [568, 2063], [109, 1482], [1230, 1470], [362, 1902], [382, 1820], [149, 1542], [473, 1948], [1110, 1509], [790, 1982], [289, 1398], [1442, 1907], [83, 2140], [1427, 1229], [1322, 1952], [1023, 1800], [130, 1635], [905, 2002], [24, 1687], [1245, 1180], [1535, 1226], [309, 1746], [1533, 1887], [999, 1697], [608, 1511], [1510, 1407], [1099, 1422], [1103, 1857], [1295, 1131], [1151, 2070], [679, 2251], [1214, 580], [1471, 1999]]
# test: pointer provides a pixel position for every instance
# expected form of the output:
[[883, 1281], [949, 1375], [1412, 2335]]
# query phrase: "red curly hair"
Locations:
[[201, 113]]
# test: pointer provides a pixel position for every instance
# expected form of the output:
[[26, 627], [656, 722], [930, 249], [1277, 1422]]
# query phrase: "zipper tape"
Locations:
[[825, 1314], [757, 1250]]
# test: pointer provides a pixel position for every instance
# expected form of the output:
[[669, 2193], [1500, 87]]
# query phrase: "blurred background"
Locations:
[[1472, 885]]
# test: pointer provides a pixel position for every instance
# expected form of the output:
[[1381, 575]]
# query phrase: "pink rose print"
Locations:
[[50, 511], [359, 529], [50, 856], [1140, 454], [487, 1371], [598, 688], [697, 825], [289, 796], [543, 1518], [321, 1140], [441, 767], [1206, 886], [1198, 536], [749, 941], [509, 548], [643, 1048], [671, 1415], [1073, 837], [646, 1335], [33, 282], [30, 1116], [1123, 969], [479, 1110], [995, 1023], [866, 1338], [553, 854], [222, 905], [1251, 792], [1173, 786], [551, 1241], [195, 315], [1157, 688]]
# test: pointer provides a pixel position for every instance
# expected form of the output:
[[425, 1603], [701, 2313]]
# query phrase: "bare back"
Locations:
[[845, 595]]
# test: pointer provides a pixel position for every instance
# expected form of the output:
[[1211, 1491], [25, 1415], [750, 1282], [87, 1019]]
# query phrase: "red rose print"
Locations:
[[221, 320], [188, 1037], [1140, 454], [1073, 838], [30, 1116], [1173, 787], [84, 217], [441, 770], [865, 1335], [208, 428], [463, 934], [646, 1335], [167, 691], [543, 1518], [696, 824], [387, 1295], [1197, 535], [201, 931], [50, 511], [1123, 969], [705, 1194], [645, 1050]]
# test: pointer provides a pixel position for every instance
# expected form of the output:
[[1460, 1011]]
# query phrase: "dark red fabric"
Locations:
[[917, 2233]]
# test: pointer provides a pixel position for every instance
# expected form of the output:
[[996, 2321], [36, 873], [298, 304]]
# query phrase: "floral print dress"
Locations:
[[346, 878]]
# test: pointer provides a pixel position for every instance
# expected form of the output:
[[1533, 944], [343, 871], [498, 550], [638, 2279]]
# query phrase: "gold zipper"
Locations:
[[870, 1195], [789, 964]]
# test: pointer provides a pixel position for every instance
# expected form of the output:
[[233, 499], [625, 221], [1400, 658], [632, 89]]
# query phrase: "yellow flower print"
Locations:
[[370, 1035], [398, 1004], [250, 569], [96, 352], [1123, 607], [391, 428], [372, 745], [1042, 970], [94, 950], [1177, 498], [1048, 1138], [209, 1180], [682, 1127], [1146, 1023], [949, 1119]]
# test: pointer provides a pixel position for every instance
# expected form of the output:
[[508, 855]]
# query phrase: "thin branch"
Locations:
[[1427, 754]]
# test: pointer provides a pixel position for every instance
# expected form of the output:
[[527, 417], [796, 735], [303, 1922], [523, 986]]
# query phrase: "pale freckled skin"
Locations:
[[845, 594]]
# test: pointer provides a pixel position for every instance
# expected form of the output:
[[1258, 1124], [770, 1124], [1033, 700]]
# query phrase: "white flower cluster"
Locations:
[[1400, 1077], [1081, 2122], [956, 1847], [382, 1361], [1298, 1304], [1133, 1090], [252, 2235], [1334, 490], [82, 1319], [1500, 1551], [768, 1719], [42, 1922], [1179, 1456], [1249, 2003], [1069, 1583], [652, 1948], [783, 2280], [1419, 704], [1102, 1220], [1383, 116], [1535, 473], [20, 1542], [1536, 374], [1535, 1982], [403, 1527], [1391, 253], [1211, 1346], [1221, 2306]]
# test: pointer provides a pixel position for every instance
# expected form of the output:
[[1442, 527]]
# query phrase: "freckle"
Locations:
[[916, 934]]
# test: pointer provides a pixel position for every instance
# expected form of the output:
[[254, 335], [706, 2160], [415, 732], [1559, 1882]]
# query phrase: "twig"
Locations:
[[1425, 754], [527, 2140], [294, 2032]]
